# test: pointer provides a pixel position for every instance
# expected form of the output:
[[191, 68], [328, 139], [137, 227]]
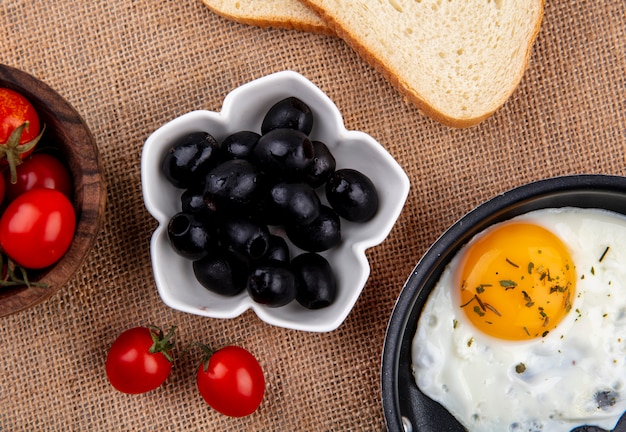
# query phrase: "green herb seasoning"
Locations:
[[603, 254], [512, 263], [508, 284]]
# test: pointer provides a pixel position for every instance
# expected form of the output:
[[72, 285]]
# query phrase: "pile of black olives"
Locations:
[[235, 190]]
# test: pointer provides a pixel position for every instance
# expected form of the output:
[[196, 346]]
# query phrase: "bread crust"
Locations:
[[294, 19], [406, 89]]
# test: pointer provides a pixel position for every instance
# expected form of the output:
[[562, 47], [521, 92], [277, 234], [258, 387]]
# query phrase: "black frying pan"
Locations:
[[405, 407]]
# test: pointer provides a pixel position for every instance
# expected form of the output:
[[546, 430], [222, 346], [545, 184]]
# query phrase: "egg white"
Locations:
[[546, 384]]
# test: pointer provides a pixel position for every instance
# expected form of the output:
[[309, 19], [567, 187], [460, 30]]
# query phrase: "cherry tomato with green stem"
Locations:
[[16, 110], [39, 170], [231, 381], [140, 359], [20, 128], [37, 228]]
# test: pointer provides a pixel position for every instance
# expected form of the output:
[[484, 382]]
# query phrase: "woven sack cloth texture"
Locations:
[[129, 66]]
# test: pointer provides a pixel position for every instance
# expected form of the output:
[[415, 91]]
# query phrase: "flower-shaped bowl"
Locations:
[[243, 109]]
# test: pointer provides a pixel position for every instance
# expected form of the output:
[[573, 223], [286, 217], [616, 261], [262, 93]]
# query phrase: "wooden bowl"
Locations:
[[67, 132]]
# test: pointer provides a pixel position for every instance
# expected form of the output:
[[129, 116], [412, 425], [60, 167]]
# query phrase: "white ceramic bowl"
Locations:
[[243, 109]]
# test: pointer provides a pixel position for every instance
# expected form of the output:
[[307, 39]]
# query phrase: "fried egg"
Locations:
[[526, 328]]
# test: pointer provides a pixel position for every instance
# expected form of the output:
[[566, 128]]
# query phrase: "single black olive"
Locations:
[[190, 236], [323, 165], [245, 237], [189, 158], [321, 234], [316, 283], [284, 153], [352, 195], [272, 283], [263, 209], [277, 250], [221, 272], [196, 201], [233, 183], [295, 203], [290, 113], [239, 145]]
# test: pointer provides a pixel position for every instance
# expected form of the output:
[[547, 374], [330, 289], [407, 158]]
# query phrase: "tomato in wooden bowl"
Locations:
[[63, 135]]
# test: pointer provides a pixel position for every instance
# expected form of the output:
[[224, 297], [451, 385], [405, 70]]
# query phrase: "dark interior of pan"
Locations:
[[405, 407]]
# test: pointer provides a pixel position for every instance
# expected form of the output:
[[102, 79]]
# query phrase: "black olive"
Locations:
[[323, 165], [321, 234], [233, 183], [272, 283], [277, 250], [290, 113], [239, 145], [352, 194], [284, 153], [189, 158], [190, 236], [263, 210], [244, 237], [316, 283], [296, 203], [196, 201], [221, 272]]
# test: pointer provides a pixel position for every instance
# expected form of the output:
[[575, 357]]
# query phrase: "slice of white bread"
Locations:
[[457, 60], [290, 14]]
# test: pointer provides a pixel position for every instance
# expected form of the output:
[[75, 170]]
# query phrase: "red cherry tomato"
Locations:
[[16, 110], [231, 381], [40, 170], [140, 359], [19, 129], [37, 228]]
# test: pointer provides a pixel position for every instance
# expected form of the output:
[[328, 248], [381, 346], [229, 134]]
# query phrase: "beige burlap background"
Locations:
[[128, 66]]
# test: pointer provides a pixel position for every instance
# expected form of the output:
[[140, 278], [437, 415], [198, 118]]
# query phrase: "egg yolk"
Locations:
[[516, 281]]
